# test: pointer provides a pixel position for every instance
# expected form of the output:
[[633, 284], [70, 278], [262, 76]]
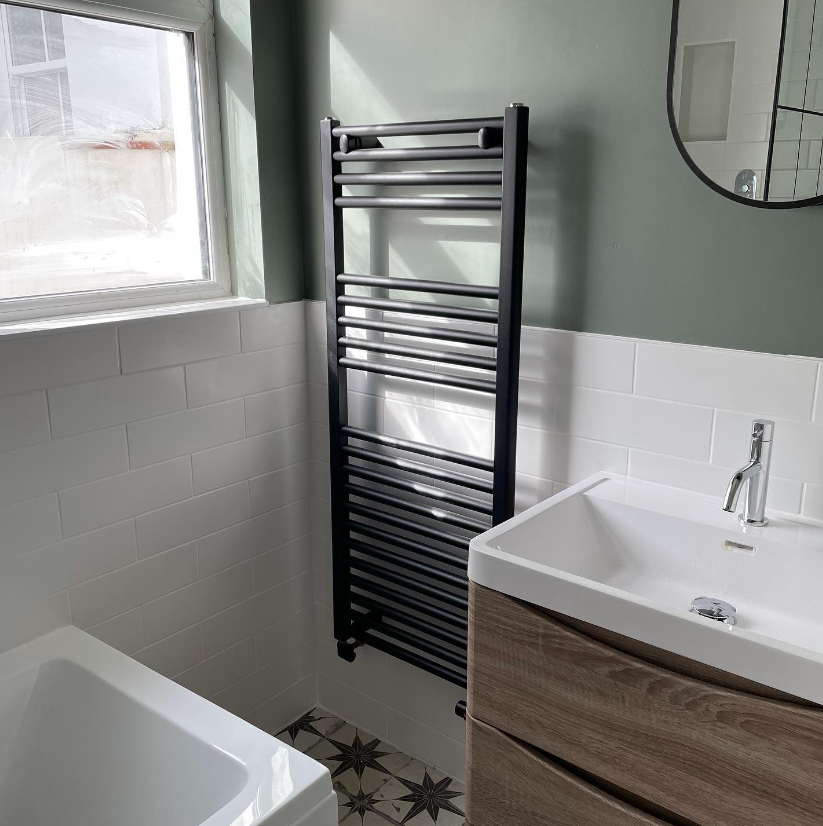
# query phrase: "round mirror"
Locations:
[[745, 97]]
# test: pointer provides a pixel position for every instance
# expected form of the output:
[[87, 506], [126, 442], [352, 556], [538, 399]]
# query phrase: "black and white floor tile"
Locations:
[[375, 783]]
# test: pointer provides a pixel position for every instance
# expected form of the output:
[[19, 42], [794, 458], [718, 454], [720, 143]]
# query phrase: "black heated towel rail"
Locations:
[[403, 512]]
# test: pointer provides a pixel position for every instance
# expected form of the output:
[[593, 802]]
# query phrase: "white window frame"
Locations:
[[195, 17]]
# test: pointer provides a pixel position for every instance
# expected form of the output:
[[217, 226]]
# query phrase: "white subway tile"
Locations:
[[274, 326], [358, 709], [278, 565], [566, 458], [427, 745], [530, 490], [813, 502], [276, 408], [24, 421], [123, 632], [20, 626], [367, 674], [129, 494], [38, 574], [253, 615], [702, 477], [282, 487], [124, 589], [316, 321], [177, 434], [195, 602], [174, 654], [248, 539], [276, 713], [34, 471], [317, 364], [221, 466], [29, 525], [241, 375], [661, 426], [771, 385], [220, 671], [818, 405], [318, 403], [252, 691], [277, 639], [79, 408], [178, 340], [51, 360], [580, 359], [190, 519], [797, 452], [319, 482], [538, 403]]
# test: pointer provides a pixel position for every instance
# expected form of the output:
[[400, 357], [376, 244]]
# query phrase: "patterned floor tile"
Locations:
[[376, 784], [358, 761], [309, 729], [420, 795]]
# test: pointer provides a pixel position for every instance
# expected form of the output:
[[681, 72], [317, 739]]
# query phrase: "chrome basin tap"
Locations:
[[756, 474]]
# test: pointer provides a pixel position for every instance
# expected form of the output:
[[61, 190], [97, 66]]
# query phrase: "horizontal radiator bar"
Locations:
[[403, 350], [369, 531], [480, 385], [437, 514], [414, 585], [393, 305], [455, 658], [460, 203], [418, 285], [458, 336], [422, 568], [425, 127], [399, 598], [461, 479], [441, 494], [427, 153], [412, 621], [418, 447], [383, 517], [419, 178]]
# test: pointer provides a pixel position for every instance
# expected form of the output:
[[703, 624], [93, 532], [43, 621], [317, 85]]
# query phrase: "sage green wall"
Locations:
[[621, 237], [256, 82], [278, 147]]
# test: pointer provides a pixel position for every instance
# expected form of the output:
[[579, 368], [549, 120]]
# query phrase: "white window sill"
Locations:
[[57, 324]]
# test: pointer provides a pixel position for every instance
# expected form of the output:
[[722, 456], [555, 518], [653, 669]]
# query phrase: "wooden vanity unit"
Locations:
[[573, 725]]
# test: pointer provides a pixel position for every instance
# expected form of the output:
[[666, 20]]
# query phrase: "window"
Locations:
[[110, 185]]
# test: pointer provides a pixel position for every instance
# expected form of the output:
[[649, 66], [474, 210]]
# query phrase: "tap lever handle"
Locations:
[[762, 430]]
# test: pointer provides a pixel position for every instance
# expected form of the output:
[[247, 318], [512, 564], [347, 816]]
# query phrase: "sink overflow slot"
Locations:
[[730, 545]]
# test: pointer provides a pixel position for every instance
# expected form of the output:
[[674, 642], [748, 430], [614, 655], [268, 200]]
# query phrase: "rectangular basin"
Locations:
[[630, 556], [90, 737]]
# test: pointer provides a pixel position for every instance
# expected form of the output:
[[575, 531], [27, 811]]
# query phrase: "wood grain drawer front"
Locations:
[[709, 754], [512, 785]]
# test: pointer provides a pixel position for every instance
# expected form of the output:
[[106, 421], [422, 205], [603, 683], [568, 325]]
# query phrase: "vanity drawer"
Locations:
[[510, 784], [710, 754]]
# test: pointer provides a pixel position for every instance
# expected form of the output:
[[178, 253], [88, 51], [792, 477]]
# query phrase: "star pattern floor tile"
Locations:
[[376, 784]]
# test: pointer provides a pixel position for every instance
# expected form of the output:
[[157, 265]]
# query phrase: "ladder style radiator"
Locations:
[[403, 512]]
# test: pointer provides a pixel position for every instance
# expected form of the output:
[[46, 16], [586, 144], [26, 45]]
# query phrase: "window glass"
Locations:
[[102, 185]]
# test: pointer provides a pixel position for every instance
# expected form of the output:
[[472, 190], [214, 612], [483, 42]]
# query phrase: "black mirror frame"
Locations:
[[816, 201]]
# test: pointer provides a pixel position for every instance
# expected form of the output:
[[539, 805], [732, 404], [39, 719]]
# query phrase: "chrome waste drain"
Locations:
[[714, 609]]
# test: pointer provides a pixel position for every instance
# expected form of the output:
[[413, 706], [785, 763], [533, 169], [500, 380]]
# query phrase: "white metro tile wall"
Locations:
[[675, 414], [154, 490]]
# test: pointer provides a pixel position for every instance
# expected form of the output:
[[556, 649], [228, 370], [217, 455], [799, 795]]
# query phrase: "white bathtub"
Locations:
[[89, 737]]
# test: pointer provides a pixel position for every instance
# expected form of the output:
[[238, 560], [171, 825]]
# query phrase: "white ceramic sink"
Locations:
[[89, 737], [631, 556]]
